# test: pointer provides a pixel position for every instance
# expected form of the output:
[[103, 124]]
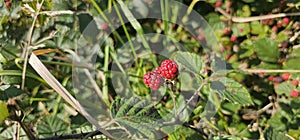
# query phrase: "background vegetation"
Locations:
[[259, 41]]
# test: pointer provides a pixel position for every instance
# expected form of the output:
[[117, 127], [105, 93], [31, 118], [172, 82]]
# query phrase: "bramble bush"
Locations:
[[195, 69]]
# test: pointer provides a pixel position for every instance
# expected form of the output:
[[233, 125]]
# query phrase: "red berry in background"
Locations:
[[277, 79], [201, 37], [169, 69], [275, 85], [241, 30], [222, 49], [267, 21], [261, 74], [286, 21], [233, 38], [227, 31], [8, 4], [282, 3], [153, 80], [274, 28], [295, 82], [284, 44], [228, 4], [104, 26], [271, 78], [227, 10], [228, 56], [294, 93], [219, 3], [285, 76], [279, 23]]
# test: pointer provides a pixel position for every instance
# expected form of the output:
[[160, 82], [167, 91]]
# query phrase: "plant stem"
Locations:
[[39, 6], [254, 18]]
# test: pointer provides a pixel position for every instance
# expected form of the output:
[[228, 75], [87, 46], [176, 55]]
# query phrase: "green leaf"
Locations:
[[284, 88], [267, 50], [279, 120], [296, 52], [245, 11], [137, 116], [190, 61], [7, 91], [282, 36], [257, 28], [9, 133], [229, 108], [267, 66], [241, 29], [233, 91], [3, 111], [19, 73], [189, 82], [294, 133], [292, 64], [182, 133], [271, 134], [50, 126]]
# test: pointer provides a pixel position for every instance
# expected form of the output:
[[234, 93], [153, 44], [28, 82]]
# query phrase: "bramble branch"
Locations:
[[254, 18]]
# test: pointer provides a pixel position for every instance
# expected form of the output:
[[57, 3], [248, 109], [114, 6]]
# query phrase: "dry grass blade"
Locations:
[[40, 68]]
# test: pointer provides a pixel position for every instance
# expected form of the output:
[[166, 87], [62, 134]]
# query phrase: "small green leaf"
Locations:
[[233, 91], [267, 50], [282, 36], [245, 11], [257, 28], [294, 133], [190, 61], [284, 88], [241, 29], [3, 111], [230, 108]]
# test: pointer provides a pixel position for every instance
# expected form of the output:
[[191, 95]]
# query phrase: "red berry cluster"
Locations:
[[285, 77], [277, 24], [228, 5], [168, 70], [228, 32]]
